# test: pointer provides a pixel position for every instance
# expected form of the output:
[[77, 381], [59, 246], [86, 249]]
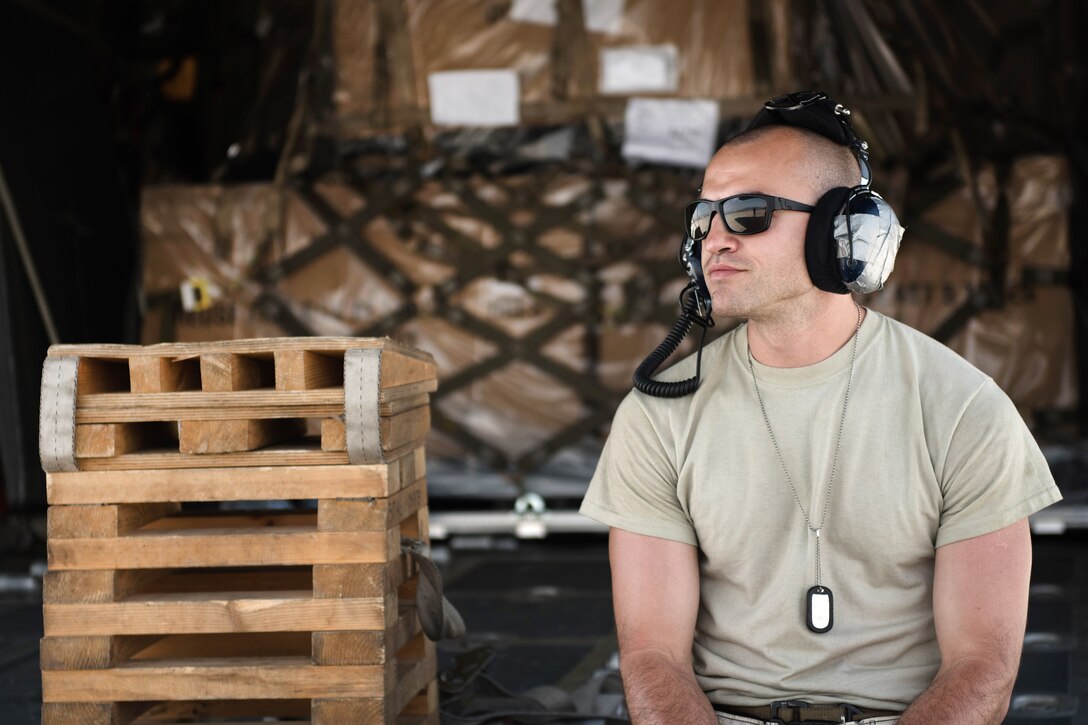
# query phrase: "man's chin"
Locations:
[[729, 306]]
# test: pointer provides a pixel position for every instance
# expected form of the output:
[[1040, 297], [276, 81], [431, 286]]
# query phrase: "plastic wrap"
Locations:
[[1027, 345], [337, 294], [1039, 194], [215, 237], [1028, 349], [929, 284], [354, 46], [715, 56], [710, 38]]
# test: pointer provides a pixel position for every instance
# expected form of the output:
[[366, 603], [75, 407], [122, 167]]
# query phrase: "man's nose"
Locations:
[[718, 239]]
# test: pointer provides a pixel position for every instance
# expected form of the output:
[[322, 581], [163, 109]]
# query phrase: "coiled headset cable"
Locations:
[[689, 315]]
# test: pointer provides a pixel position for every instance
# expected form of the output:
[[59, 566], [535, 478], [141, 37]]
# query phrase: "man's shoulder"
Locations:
[[930, 359]]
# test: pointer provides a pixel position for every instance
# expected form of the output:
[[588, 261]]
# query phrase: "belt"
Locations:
[[799, 711]]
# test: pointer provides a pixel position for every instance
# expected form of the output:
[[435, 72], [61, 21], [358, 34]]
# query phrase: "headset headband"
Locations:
[[814, 111]]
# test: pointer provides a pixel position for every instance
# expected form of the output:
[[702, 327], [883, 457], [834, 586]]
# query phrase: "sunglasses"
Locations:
[[741, 214]]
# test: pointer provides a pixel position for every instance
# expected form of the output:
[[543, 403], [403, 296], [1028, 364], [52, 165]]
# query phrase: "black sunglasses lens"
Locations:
[[747, 215], [699, 215]]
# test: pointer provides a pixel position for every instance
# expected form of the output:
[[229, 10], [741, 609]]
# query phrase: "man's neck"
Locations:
[[805, 336]]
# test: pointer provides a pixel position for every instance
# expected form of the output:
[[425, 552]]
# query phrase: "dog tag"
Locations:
[[819, 609]]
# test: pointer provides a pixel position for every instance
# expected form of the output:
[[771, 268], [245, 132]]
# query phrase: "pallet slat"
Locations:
[[234, 484], [195, 405], [200, 613], [225, 679], [182, 549]]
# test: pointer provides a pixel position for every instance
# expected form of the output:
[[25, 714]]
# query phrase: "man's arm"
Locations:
[[655, 593], [980, 602]]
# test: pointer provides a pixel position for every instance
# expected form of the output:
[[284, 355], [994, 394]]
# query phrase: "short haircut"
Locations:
[[829, 164]]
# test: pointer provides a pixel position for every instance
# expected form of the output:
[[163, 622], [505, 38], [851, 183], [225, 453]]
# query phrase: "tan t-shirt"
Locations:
[[932, 452]]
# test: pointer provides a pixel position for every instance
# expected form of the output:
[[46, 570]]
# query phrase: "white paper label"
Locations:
[[670, 131], [639, 68], [474, 97], [601, 16]]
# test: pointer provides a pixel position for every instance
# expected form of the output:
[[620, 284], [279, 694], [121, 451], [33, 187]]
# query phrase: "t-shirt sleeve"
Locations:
[[994, 472], [634, 486]]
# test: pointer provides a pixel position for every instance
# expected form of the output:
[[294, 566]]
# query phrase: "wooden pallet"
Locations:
[[267, 402], [156, 611]]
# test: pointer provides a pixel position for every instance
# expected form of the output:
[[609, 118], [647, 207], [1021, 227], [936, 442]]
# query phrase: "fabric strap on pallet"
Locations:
[[362, 389], [437, 615], [57, 417]]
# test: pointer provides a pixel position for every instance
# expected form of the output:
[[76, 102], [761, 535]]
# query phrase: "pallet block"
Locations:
[[266, 402], [157, 613]]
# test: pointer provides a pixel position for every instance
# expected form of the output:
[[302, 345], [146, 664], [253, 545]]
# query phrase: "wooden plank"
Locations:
[[248, 678], [226, 371], [365, 648], [359, 710], [415, 525], [88, 587], [306, 370], [90, 713], [334, 434], [306, 453], [303, 452], [163, 375], [401, 369], [203, 613], [197, 405], [334, 430], [410, 678], [350, 580], [402, 404], [88, 652], [98, 521], [362, 580], [405, 428], [102, 440], [228, 484], [425, 702], [370, 514], [249, 346], [216, 547], [107, 440], [419, 656], [234, 436]]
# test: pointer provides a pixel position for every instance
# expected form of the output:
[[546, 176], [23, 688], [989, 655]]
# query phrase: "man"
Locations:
[[838, 514]]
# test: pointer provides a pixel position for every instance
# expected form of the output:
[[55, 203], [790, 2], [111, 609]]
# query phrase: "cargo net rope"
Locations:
[[537, 294]]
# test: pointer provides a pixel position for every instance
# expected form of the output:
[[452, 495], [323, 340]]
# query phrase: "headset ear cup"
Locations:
[[820, 257]]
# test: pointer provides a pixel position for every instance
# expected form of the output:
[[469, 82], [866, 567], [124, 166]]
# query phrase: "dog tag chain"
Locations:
[[819, 601]]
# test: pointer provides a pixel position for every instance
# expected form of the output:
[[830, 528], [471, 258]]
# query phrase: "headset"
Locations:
[[851, 240]]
